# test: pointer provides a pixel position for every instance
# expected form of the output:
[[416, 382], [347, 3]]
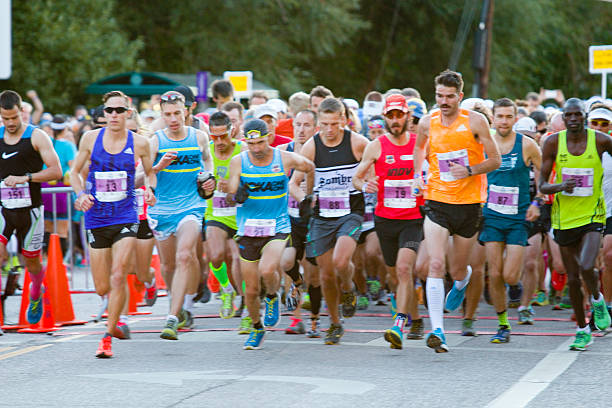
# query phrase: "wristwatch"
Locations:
[[29, 177]]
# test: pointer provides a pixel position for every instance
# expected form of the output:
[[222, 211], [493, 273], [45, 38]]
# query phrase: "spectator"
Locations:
[[234, 111], [258, 98], [297, 102], [317, 94], [222, 92], [411, 93]]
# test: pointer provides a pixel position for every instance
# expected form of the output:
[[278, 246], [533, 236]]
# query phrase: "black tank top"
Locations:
[[334, 170], [19, 159]]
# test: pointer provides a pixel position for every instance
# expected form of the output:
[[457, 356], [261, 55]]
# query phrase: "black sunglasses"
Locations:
[[415, 120], [542, 131], [118, 109]]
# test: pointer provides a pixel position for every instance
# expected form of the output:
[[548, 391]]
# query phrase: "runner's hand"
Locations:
[[458, 171], [568, 185], [306, 207], [12, 181], [149, 197], [417, 187], [241, 194], [166, 160], [222, 185], [84, 202], [372, 185], [533, 213]]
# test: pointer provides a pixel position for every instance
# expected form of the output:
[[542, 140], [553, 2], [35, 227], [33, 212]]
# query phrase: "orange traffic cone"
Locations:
[[133, 297], [47, 323], [25, 298], [155, 264], [59, 291]]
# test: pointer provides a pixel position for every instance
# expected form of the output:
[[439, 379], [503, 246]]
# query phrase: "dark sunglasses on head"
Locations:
[[397, 114], [172, 96], [118, 109], [600, 122]]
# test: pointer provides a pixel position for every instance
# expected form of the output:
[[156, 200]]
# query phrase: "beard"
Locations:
[[394, 132]]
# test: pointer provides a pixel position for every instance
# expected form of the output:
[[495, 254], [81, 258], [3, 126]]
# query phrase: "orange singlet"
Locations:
[[455, 143]]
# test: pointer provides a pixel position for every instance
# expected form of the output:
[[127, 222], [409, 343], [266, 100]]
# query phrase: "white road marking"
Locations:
[[322, 385], [538, 378]]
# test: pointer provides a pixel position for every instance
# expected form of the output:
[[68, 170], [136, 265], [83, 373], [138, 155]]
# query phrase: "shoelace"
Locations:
[[227, 300], [270, 307]]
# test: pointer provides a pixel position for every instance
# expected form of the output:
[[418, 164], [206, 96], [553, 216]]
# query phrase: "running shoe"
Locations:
[[374, 289], [185, 319], [556, 303], [105, 348], [294, 297], [394, 337], [437, 341], [583, 340], [382, 294], [122, 331], [296, 326], [227, 305], [416, 330], [502, 335], [35, 307], [566, 302], [514, 295], [246, 324], [540, 299], [255, 339], [393, 302], [272, 312], [362, 303], [349, 304], [170, 332], [467, 328], [315, 329], [454, 298], [204, 293], [525, 316], [150, 294], [334, 333], [602, 317], [306, 302]]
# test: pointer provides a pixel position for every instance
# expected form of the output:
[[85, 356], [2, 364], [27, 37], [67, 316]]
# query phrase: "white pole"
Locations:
[[604, 84]]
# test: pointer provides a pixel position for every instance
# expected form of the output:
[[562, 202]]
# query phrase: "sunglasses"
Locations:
[[600, 122], [220, 136], [172, 96], [415, 120], [118, 109], [542, 131], [395, 114]]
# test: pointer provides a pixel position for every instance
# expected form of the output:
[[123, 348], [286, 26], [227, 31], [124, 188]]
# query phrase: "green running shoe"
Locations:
[[602, 317], [525, 316], [540, 299], [306, 302], [363, 303], [227, 305], [185, 319], [374, 289], [467, 328], [583, 340], [246, 324], [170, 332]]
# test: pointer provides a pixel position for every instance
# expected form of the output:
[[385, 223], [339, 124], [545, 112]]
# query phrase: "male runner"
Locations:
[[24, 150], [109, 202], [258, 181], [579, 210], [338, 213], [456, 141], [507, 213], [176, 220], [398, 220]]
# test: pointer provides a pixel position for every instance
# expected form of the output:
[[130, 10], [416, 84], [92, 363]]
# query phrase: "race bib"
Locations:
[[398, 194], [111, 186], [334, 203], [294, 208], [445, 159], [15, 197], [503, 200], [259, 228], [221, 208], [140, 201], [584, 181], [368, 218]]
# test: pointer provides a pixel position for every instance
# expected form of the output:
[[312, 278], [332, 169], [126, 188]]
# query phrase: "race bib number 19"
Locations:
[[398, 194]]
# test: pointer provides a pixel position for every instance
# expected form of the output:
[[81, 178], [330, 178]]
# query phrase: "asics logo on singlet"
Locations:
[[267, 185], [188, 159], [8, 156], [341, 180], [399, 171]]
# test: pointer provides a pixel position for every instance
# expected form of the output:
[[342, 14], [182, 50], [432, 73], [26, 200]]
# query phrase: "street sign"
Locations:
[[5, 39], [202, 83], [242, 82], [600, 62]]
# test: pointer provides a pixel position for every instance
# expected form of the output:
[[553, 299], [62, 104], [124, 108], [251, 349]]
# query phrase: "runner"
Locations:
[[398, 220], [338, 213], [507, 214], [176, 220], [109, 202], [24, 150], [578, 211], [456, 140], [258, 181]]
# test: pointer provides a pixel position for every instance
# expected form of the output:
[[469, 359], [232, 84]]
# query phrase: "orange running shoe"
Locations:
[[122, 331], [105, 348]]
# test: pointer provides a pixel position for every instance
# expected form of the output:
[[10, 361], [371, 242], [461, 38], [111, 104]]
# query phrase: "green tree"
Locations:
[[61, 47]]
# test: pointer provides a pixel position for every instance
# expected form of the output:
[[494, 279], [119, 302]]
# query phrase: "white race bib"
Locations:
[[140, 200], [584, 181], [334, 203], [398, 194], [259, 228], [503, 200], [445, 159], [221, 208], [111, 186], [15, 197]]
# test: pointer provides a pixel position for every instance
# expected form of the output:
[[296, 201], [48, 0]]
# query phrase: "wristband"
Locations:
[[152, 189], [80, 194], [469, 169], [536, 203], [363, 188]]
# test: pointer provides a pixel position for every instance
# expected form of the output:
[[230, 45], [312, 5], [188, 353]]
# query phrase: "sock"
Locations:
[[221, 275], [315, 299], [37, 280], [463, 283], [123, 319], [503, 319], [586, 329], [270, 297], [521, 308], [188, 302], [258, 325], [599, 298], [294, 273], [172, 317], [400, 321], [150, 285], [435, 302]]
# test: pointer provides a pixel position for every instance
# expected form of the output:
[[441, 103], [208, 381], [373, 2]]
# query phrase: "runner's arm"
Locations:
[[42, 143], [300, 164], [549, 154], [205, 148], [83, 201], [420, 153], [144, 153], [370, 155], [531, 151], [308, 151], [234, 175], [480, 127]]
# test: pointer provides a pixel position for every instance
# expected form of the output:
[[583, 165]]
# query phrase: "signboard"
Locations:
[[202, 84], [5, 39], [242, 82], [600, 59]]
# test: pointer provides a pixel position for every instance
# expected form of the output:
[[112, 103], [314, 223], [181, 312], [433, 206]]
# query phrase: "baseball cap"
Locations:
[[96, 114], [278, 105], [469, 103], [351, 103], [525, 124], [187, 93], [59, 123], [600, 113], [149, 113], [255, 128], [263, 110], [395, 101], [417, 106]]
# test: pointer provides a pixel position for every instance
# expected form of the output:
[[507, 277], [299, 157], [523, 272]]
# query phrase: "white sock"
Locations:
[[435, 302], [228, 289], [172, 317], [150, 285], [521, 308], [123, 319], [586, 329], [599, 298], [188, 302], [463, 283]]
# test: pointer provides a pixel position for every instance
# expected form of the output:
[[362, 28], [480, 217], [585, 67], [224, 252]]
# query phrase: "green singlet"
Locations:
[[217, 209]]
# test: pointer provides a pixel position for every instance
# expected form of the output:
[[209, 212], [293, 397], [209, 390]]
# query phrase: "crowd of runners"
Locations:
[[321, 200]]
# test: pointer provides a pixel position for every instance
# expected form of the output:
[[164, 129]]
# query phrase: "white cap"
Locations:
[[469, 103], [265, 110], [525, 124], [278, 105], [352, 103], [600, 113]]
